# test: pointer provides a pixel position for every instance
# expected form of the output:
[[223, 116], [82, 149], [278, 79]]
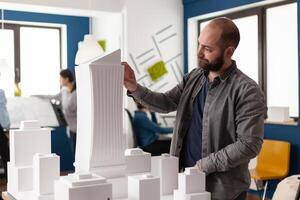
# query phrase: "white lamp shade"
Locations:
[[88, 50]]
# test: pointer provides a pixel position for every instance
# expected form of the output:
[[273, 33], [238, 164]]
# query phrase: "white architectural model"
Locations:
[[191, 185], [88, 49], [30, 176], [45, 171], [22, 150], [19, 179], [82, 186], [143, 187], [287, 188], [166, 168], [22, 140], [100, 139], [278, 114], [101, 166], [137, 161]]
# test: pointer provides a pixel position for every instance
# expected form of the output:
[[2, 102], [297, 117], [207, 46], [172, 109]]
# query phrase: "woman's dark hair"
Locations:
[[68, 74]]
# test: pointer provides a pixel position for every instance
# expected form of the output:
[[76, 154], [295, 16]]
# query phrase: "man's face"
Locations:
[[210, 52]]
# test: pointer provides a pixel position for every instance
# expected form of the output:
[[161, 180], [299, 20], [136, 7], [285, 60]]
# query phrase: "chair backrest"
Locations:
[[135, 144], [1, 130], [274, 156]]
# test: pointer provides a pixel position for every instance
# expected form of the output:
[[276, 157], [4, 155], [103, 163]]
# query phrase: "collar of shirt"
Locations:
[[228, 71], [222, 77]]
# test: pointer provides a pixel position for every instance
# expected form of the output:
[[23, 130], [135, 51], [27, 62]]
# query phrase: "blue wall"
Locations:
[[278, 132], [77, 27]]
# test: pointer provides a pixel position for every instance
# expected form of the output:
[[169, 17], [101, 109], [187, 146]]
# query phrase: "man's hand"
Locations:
[[198, 165], [129, 78]]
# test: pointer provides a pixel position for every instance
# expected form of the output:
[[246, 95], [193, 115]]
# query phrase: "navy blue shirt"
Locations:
[[193, 139]]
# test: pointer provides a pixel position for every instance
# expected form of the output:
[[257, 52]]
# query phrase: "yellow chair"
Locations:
[[272, 163]]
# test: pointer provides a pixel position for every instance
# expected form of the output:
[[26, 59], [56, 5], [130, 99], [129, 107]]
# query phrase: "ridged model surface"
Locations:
[[100, 139]]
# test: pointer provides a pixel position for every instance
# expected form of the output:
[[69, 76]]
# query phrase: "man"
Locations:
[[147, 132], [220, 113]]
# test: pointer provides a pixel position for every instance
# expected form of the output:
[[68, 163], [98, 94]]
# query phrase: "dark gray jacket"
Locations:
[[233, 125]]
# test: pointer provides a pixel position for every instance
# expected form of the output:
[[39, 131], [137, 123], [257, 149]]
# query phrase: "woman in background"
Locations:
[[68, 99]]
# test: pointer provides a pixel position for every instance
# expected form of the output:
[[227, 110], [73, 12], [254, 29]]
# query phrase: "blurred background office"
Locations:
[[159, 39]]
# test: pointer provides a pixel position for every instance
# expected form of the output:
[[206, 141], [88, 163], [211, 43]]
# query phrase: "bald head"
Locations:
[[217, 43], [230, 35]]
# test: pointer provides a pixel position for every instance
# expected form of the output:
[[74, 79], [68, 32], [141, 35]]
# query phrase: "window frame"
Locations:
[[17, 50], [260, 11]]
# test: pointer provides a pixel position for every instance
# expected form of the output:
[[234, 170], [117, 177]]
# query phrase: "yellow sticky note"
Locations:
[[157, 70], [102, 44]]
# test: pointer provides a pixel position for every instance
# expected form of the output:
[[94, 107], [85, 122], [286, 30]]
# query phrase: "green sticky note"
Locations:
[[157, 70]]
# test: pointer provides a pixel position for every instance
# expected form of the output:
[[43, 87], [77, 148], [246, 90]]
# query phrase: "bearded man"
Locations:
[[220, 113]]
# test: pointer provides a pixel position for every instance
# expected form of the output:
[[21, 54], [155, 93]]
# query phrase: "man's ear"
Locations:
[[229, 51]]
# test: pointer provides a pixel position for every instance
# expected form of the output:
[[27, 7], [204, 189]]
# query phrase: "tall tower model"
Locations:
[[100, 139]]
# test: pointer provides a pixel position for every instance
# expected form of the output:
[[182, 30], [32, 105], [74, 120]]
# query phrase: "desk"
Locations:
[[165, 136], [167, 197], [169, 120], [7, 196]]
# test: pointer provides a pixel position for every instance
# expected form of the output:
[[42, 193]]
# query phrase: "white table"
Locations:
[[7, 196], [168, 197]]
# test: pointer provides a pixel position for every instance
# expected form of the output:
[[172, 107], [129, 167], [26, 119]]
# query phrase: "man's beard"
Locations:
[[214, 65]]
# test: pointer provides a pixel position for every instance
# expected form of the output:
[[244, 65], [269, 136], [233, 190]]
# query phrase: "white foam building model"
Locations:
[[141, 184], [278, 114], [30, 175], [166, 168], [137, 161], [143, 187], [88, 49], [191, 185], [45, 171], [100, 140], [80, 186], [101, 167], [288, 188]]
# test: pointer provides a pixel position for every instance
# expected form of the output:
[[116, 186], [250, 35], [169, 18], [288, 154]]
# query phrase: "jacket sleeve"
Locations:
[[159, 102], [250, 110]]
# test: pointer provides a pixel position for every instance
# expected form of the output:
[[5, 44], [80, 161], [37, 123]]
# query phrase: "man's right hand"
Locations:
[[129, 78]]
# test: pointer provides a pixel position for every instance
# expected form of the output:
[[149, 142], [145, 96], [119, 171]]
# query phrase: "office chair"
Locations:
[[4, 150], [272, 162], [135, 144]]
